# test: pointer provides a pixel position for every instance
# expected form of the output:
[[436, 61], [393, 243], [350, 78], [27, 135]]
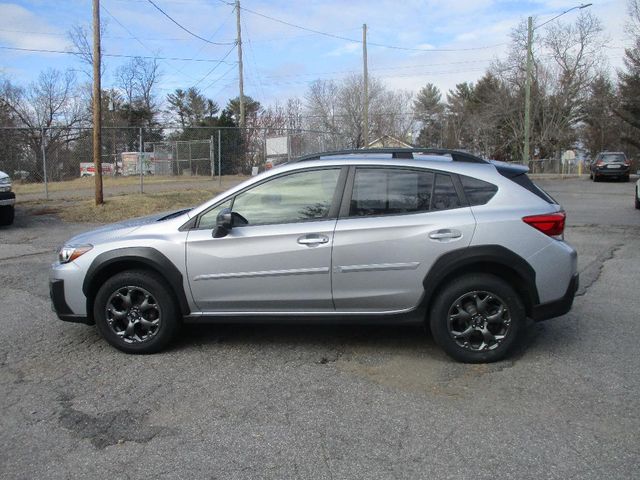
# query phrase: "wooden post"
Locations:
[[240, 73], [365, 119], [97, 104]]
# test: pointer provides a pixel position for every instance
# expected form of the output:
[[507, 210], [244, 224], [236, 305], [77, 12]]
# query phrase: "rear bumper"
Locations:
[[7, 199], [559, 307], [59, 304], [612, 172]]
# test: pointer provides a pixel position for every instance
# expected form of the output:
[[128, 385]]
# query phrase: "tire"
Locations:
[[482, 295], [595, 178], [590, 175], [625, 178], [145, 323], [7, 215]]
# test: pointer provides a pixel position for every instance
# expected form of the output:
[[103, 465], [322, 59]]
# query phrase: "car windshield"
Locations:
[[613, 157]]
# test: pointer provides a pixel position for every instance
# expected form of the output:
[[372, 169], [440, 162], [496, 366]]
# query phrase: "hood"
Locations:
[[121, 229], [3, 175]]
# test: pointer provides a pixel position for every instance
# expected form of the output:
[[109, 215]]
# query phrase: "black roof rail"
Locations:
[[456, 155]]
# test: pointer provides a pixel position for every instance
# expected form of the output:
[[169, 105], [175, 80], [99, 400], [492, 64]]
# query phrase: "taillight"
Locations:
[[599, 163], [551, 224]]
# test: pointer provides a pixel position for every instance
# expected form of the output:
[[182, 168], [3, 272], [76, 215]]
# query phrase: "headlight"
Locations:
[[69, 253], [5, 184]]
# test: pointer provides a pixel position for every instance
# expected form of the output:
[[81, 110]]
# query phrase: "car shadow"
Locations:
[[301, 334]]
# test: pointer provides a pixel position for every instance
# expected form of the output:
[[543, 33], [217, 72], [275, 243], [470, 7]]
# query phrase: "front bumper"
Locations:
[[59, 304], [559, 307], [7, 199]]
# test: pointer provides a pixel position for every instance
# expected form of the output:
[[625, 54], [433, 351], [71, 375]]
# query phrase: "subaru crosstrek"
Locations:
[[468, 246]]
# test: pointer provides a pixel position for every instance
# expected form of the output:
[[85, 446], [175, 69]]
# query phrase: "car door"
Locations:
[[392, 228], [280, 260]]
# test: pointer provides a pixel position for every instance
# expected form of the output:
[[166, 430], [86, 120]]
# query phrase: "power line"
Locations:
[[219, 78], [396, 67], [185, 28], [224, 22], [113, 37], [115, 55], [355, 40], [216, 66], [253, 58], [137, 39]]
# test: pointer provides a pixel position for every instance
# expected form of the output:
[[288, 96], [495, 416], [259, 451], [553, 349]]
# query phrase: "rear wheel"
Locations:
[[477, 318], [7, 214], [135, 312]]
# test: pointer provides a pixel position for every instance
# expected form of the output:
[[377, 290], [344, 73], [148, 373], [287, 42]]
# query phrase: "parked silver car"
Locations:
[[469, 246]]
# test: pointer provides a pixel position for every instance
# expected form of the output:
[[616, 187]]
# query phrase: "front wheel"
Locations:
[[135, 311], [477, 318]]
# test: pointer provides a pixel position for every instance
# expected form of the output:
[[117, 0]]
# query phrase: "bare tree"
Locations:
[[568, 59], [48, 109], [137, 80], [633, 22], [322, 105], [391, 115], [82, 46]]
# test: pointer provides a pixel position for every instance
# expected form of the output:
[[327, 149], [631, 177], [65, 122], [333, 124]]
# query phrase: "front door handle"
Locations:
[[313, 240], [445, 234]]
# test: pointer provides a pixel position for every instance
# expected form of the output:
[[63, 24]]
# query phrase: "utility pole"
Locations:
[[365, 119], [240, 77], [97, 103], [527, 93]]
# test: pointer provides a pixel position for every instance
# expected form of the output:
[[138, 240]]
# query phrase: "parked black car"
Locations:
[[610, 164]]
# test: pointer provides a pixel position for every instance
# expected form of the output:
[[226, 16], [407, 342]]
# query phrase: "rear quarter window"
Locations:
[[478, 192]]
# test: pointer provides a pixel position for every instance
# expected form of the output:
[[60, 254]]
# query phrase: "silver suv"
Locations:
[[468, 246]]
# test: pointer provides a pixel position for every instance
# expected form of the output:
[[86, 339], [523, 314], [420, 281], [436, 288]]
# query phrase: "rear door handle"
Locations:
[[445, 234], [313, 240]]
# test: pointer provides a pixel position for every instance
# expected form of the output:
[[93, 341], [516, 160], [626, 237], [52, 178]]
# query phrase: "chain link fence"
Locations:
[[558, 166], [58, 162]]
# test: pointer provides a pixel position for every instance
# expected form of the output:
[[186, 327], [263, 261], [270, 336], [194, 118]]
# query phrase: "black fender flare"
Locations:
[[147, 256], [484, 255]]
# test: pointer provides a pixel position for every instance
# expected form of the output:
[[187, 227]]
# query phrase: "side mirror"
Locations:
[[224, 223]]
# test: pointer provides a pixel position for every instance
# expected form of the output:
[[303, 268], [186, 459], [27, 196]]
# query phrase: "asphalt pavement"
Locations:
[[301, 402]]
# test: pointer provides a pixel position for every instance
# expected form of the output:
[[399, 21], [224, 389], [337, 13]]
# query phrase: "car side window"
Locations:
[[445, 196], [208, 219], [291, 198], [478, 192], [390, 191]]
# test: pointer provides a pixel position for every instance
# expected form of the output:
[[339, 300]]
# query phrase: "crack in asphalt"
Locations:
[[592, 272], [33, 254]]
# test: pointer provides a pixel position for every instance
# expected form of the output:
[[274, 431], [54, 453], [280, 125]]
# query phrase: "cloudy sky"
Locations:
[[441, 41]]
